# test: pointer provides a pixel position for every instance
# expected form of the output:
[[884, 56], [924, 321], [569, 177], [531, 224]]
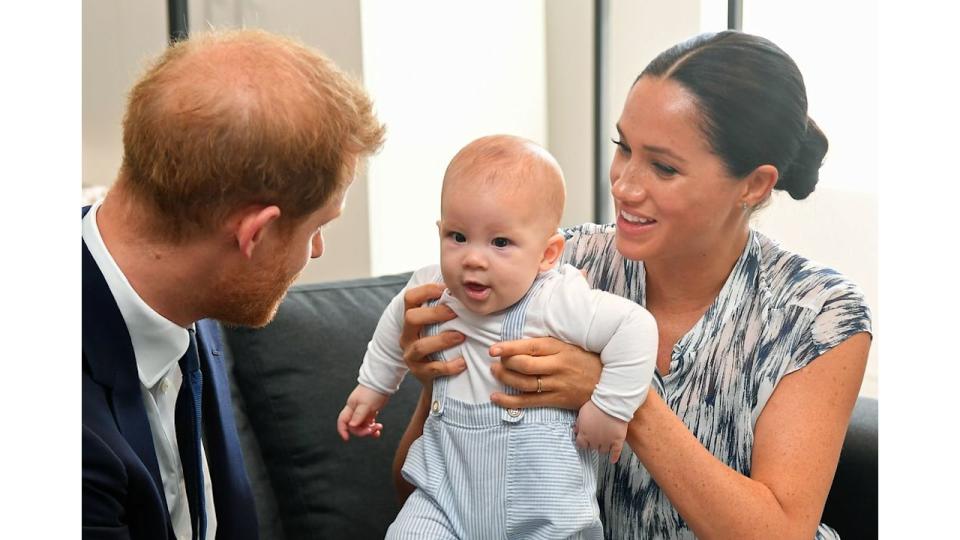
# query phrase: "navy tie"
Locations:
[[188, 424]]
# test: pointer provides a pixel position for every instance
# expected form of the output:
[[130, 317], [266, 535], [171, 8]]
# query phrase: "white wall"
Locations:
[[837, 224], [118, 37], [443, 74], [835, 46], [639, 30], [570, 102]]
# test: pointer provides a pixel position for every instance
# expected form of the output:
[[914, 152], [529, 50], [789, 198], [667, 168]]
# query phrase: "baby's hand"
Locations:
[[360, 414], [598, 430]]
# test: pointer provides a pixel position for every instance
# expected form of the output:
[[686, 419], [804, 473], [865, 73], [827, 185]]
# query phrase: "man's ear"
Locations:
[[250, 227], [759, 184], [552, 252]]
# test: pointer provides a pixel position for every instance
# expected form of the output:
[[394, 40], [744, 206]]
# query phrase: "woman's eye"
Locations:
[[501, 242], [664, 170], [621, 146], [458, 237]]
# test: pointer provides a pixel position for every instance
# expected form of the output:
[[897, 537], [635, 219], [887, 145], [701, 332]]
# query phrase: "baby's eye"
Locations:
[[458, 237], [501, 242]]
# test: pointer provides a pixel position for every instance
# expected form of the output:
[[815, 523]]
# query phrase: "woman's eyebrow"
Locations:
[[665, 151]]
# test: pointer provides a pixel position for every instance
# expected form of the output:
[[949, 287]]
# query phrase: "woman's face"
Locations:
[[673, 196]]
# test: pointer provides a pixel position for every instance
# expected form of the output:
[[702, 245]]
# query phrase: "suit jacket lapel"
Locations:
[[109, 354], [236, 513]]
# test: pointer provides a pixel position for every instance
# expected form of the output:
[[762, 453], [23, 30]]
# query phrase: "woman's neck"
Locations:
[[691, 282]]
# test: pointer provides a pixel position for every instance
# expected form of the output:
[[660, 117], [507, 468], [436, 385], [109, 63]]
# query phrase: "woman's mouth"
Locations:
[[634, 223]]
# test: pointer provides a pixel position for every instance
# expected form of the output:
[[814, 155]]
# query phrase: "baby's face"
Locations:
[[491, 245]]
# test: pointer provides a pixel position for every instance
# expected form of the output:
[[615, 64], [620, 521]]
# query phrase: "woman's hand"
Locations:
[[416, 349], [551, 373]]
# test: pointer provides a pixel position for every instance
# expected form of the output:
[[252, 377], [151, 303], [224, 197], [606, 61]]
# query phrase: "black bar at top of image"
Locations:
[[177, 17]]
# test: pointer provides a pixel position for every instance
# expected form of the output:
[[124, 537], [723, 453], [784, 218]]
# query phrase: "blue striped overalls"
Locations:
[[483, 472]]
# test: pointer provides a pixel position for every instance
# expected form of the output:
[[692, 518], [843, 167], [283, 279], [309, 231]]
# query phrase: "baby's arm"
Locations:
[[625, 335], [383, 367]]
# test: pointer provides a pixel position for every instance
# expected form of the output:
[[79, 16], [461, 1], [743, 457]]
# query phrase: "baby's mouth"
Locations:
[[475, 290]]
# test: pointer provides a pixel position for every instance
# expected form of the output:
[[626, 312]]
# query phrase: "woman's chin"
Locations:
[[634, 249]]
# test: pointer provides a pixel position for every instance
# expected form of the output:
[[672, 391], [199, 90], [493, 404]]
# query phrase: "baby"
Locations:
[[482, 471]]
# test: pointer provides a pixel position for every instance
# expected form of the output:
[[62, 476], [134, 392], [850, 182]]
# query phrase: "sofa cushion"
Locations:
[[294, 376], [851, 508]]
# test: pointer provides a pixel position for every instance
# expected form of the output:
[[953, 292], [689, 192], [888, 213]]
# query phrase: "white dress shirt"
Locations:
[[158, 345]]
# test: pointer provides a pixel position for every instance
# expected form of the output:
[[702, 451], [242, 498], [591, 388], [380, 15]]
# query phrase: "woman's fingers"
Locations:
[[419, 350], [418, 295], [521, 401], [427, 371], [415, 316], [422, 316], [531, 365], [515, 378], [529, 347]]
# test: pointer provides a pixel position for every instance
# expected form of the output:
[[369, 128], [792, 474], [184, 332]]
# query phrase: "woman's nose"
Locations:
[[629, 185]]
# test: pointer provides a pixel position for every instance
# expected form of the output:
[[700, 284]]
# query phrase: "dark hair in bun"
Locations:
[[753, 103]]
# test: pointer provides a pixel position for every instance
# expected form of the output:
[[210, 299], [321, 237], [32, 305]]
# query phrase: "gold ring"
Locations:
[[539, 384]]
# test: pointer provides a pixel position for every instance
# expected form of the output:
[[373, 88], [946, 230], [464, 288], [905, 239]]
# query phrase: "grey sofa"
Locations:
[[290, 380]]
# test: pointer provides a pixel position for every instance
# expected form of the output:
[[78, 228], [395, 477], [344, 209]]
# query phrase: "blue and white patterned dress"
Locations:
[[776, 312]]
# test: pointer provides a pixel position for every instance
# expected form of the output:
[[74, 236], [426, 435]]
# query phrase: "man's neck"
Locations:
[[165, 277]]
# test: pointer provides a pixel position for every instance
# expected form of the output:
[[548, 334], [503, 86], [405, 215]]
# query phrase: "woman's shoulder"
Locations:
[[791, 279], [594, 247], [589, 240], [589, 232]]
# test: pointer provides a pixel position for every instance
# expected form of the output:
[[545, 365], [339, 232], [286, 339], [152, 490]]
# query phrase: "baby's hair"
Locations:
[[513, 163]]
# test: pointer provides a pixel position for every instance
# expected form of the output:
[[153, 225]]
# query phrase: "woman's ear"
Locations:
[[250, 225], [759, 184], [552, 252]]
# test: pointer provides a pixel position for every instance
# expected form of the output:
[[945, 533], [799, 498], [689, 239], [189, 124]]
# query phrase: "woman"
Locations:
[[761, 351]]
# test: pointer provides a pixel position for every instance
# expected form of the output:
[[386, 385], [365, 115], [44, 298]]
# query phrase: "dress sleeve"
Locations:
[[843, 314]]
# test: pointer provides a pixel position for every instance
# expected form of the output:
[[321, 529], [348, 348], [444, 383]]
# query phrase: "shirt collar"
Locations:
[[158, 343]]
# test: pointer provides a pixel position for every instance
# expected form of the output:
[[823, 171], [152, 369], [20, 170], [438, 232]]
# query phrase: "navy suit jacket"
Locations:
[[123, 494]]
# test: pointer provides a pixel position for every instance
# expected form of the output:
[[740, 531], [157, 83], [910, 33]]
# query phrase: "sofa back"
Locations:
[[291, 379]]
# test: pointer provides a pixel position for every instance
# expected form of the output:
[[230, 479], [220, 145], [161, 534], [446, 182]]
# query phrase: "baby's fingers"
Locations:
[[342, 420], [359, 415], [372, 429]]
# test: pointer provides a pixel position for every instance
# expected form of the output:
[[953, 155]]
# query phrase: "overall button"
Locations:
[[435, 406], [513, 412]]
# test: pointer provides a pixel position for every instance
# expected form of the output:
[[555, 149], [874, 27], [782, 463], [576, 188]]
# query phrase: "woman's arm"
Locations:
[[797, 438], [416, 353], [797, 442]]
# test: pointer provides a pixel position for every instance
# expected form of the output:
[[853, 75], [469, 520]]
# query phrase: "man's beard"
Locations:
[[252, 300]]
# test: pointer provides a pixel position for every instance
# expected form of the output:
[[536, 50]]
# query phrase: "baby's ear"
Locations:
[[552, 252]]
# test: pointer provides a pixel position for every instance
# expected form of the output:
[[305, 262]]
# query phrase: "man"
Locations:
[[238, 148]]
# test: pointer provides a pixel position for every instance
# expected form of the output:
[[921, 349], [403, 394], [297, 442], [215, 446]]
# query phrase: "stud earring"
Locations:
[[743, 206]]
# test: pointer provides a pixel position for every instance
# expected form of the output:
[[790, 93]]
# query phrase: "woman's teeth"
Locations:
[[636, 219]]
